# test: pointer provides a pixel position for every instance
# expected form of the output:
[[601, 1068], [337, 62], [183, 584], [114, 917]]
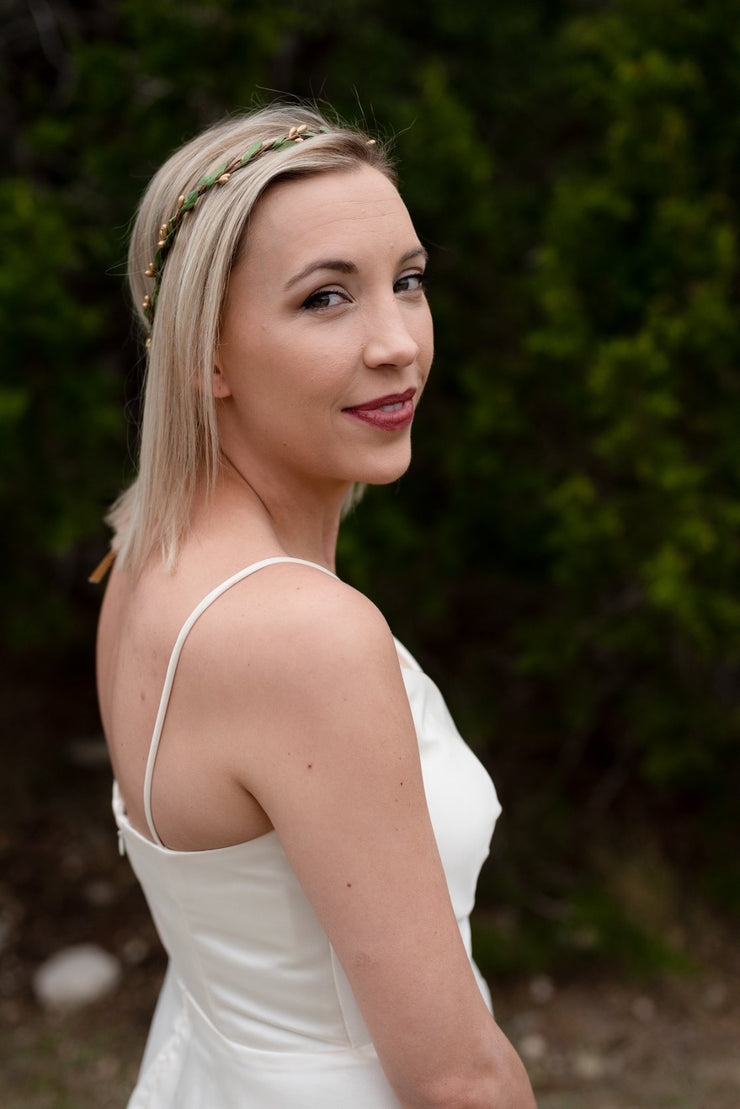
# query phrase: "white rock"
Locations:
[[541, 989], [99, 893], [533, 1048], [589, 1065], [76, 976], [135, 951]]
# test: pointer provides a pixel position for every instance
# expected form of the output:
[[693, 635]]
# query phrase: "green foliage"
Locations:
[[56, 407], [636, 281], [564, 551]]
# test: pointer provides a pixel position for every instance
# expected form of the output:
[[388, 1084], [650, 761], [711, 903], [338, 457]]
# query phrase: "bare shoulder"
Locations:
[[293, 618], [291, 667]]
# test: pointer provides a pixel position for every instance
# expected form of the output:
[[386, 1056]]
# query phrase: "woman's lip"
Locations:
[[391, 413], [383, 402]]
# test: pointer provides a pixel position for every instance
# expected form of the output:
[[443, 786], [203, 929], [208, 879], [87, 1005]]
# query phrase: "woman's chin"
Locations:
[[387, 473]]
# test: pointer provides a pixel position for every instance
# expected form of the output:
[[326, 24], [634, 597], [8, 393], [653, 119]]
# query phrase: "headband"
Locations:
[[187, 202]]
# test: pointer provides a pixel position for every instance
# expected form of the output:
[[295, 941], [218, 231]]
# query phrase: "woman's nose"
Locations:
[[390, 337]]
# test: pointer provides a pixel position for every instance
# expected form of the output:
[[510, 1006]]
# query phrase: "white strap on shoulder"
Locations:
[[175, 657]]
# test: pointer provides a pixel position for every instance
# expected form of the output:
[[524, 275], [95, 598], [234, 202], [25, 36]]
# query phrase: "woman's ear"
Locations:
[[220, 384]]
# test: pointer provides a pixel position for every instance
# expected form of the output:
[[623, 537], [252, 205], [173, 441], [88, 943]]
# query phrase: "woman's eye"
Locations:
[[324, 298], [411, 283]]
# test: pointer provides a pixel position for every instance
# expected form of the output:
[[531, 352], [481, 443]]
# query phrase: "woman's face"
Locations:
[[326, 335]]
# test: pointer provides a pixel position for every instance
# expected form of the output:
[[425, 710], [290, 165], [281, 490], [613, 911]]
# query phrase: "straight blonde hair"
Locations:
[[179, 436]]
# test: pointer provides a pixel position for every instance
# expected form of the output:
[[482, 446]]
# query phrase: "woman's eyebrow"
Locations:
[[339, 265], [416, 252], [335, 264]]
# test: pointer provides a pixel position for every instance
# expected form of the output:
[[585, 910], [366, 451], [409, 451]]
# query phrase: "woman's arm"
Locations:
[[313, 715]]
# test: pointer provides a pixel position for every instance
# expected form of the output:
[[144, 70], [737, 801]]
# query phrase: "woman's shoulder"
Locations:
[[279, 612], [285, 650], [270, 614]]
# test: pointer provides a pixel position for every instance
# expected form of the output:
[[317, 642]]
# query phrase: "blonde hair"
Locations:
[[179, 435]]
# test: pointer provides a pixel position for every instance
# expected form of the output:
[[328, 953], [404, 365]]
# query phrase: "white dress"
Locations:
[[256, 1011]]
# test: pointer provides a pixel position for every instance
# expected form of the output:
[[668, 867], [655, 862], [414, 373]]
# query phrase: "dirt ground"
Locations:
[[596, 1043]]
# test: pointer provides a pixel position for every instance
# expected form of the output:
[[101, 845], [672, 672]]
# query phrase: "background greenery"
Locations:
[[563, 555]]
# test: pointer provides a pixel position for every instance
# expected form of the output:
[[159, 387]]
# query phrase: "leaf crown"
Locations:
[[187, 202]]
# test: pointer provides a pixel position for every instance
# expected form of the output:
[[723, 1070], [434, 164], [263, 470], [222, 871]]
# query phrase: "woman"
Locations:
[[305, 821]]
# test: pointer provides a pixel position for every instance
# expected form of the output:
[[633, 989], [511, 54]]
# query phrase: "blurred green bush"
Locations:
[[564, 552]]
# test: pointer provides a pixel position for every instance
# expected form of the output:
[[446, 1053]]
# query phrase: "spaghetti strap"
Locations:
[[174, 659]]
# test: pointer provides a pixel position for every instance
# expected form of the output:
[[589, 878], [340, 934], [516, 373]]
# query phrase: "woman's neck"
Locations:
[[303, 522]]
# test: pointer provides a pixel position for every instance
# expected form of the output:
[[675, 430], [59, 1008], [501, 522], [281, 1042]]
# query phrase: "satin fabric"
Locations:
[[256, 1010]]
